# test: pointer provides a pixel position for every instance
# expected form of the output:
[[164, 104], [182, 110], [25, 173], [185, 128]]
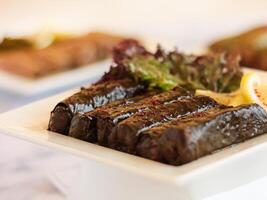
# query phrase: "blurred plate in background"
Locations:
[[27, 87]]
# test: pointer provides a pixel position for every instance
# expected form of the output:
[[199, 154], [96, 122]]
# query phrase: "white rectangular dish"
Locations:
[[28, 87], [111, 174]]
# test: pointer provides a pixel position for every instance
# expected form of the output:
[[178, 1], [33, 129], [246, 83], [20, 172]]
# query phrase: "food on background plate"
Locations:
[[251, 45], [48, 55], [37, 41], [163, 118]]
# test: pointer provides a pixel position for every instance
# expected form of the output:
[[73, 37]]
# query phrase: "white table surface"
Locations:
[[25, 168]]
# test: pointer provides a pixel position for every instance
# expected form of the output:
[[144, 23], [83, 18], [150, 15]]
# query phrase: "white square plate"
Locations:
[[212, 174]]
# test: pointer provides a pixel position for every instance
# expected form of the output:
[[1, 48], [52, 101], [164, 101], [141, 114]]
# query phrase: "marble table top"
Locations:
[[28, 170]]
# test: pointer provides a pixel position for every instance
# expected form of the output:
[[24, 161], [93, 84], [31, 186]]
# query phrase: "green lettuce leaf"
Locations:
[[218, 73]]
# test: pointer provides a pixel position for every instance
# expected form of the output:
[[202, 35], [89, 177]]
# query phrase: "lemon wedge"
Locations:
[[234, 98], [249, 82], [253, 90], [237, 100]]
